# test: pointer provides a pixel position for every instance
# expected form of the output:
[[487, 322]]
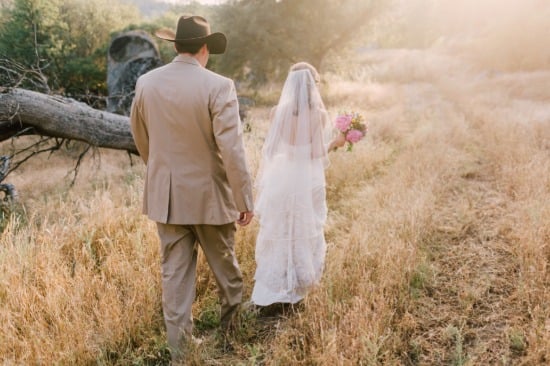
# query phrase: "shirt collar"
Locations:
[[187, 59]]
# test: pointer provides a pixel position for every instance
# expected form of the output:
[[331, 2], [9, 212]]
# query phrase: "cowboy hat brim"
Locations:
[[216, 42]]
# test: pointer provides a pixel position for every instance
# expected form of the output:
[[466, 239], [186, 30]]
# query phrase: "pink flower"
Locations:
[[354, 136], [343, 122]]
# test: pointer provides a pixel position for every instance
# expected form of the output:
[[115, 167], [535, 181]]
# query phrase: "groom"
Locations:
[[185, 123]]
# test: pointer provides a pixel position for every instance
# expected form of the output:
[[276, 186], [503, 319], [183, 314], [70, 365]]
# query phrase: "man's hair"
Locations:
[[189, 48]]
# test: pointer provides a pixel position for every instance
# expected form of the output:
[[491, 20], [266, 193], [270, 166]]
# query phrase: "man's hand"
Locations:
[[245, 218]]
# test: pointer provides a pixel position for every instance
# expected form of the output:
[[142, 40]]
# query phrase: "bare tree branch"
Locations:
[[15, 75], [77, 166], [33, 150]]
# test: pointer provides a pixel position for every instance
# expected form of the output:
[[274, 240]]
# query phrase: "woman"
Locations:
[[291, 207]]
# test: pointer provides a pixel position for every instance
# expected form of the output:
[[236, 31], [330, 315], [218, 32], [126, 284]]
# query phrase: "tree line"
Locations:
[[66, 41]]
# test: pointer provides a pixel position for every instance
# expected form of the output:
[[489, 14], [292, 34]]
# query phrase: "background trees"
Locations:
[[66, 40], [267, 36]]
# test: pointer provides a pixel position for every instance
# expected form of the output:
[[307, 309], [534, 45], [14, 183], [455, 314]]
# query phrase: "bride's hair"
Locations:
[[315, 75], [306, 66]]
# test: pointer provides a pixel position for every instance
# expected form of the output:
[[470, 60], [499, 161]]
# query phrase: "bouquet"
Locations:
[[353, 127]]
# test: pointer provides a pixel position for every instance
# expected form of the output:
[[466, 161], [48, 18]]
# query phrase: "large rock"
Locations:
[[130, 55]]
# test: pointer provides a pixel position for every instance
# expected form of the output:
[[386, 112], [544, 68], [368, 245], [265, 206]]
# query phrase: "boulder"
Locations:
[[130, 55]]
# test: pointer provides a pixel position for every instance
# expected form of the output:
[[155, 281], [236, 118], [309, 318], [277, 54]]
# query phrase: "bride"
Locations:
[[291, 207]]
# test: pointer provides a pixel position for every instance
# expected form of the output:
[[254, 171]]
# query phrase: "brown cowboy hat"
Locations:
[[194, 29]]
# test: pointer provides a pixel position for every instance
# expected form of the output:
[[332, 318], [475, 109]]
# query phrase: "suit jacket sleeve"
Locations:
[[228, 134], [138, 126]]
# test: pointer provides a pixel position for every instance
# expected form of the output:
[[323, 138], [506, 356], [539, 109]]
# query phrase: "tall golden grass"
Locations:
[[438, 239]]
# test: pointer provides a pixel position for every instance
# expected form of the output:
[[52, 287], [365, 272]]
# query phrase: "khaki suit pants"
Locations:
[[178, 264]]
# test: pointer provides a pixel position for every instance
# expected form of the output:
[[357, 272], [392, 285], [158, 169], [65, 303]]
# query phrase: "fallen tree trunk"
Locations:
[[27, 112]]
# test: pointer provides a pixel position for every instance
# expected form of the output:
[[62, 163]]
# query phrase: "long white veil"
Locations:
[[290, 203], [300, 122]]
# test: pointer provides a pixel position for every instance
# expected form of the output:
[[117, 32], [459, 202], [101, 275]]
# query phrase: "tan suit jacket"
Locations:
[[186, 126]]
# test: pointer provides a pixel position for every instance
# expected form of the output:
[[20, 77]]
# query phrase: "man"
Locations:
[[186, 126]]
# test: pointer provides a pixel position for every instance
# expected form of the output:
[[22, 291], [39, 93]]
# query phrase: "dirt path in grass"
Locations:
[[464, 309]]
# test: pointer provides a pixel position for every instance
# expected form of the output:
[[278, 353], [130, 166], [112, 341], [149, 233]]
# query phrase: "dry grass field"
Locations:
[[438, 238]]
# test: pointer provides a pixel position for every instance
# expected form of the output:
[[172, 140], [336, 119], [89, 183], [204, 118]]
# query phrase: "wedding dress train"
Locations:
[[290, 247]]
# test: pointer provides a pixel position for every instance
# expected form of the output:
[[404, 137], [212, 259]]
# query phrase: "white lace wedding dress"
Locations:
[[291, 205]]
